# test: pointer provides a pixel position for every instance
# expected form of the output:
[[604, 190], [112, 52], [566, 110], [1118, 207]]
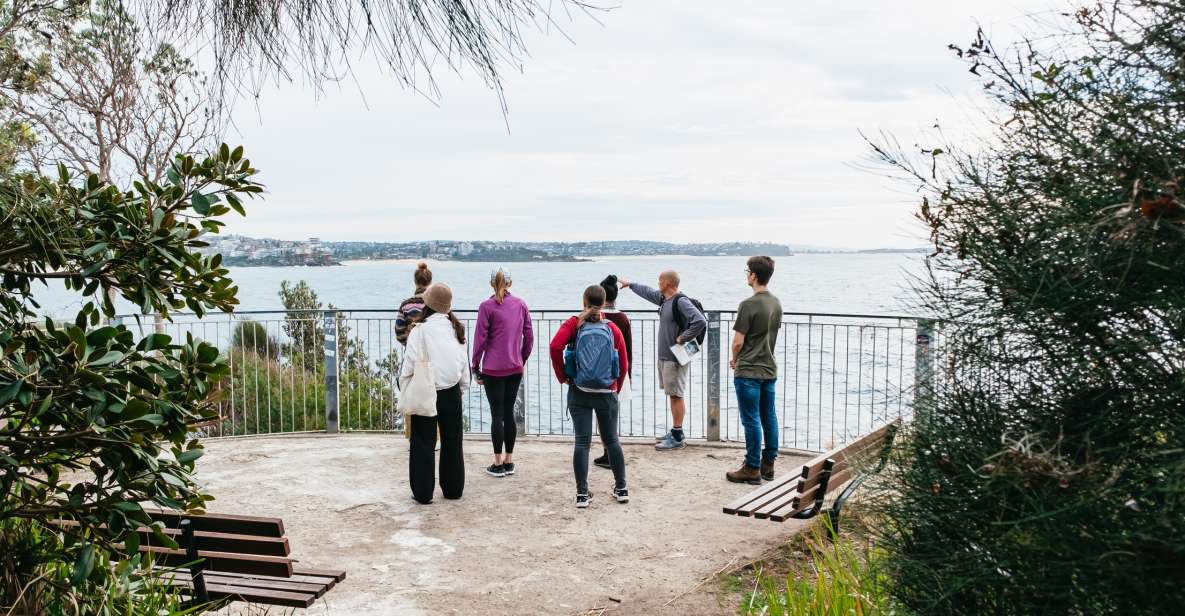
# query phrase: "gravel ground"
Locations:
[[515, 545]]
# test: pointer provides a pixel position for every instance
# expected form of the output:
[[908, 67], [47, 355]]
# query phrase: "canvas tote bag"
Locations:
[[418, 397], [627, 391]]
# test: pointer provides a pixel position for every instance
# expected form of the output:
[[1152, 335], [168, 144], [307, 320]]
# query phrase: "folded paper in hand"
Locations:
[[685, 352]]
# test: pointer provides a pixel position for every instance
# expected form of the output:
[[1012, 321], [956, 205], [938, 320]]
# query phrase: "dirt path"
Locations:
[[510, 546]]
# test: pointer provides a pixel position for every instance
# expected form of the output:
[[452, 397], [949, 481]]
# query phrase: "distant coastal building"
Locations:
[[242, 251]]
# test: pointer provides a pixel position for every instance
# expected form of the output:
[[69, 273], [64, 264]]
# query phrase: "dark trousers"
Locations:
[[582, 406], [502, 392], [421, 466]]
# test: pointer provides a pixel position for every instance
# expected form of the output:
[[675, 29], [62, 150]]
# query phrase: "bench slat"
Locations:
[[261, 595], [222, 523], [800, 502], [338, 576], [791, 503], [259, 581], [756, 506], [241, 544], [814, 465], [221, 590], [778, 485], [225, 542], [224, 561], [299, 576], [214, 542], [787, 500], [845, 459], [806, 500]]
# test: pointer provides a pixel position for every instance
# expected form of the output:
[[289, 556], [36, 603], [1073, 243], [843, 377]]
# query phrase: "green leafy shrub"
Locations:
[[253, 337], [266, 396], [93, 420], [130, 590], [1048, 475]]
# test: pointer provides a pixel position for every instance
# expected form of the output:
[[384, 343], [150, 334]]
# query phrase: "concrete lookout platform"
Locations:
[[515, 545]]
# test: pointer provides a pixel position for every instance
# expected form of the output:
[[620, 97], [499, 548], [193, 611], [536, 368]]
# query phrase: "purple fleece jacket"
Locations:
[[502, 337]]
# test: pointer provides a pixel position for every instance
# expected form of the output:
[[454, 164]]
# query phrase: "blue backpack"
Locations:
[[591, 361]]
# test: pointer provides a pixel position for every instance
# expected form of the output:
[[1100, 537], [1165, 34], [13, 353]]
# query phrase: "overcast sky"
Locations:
[[674, 120]]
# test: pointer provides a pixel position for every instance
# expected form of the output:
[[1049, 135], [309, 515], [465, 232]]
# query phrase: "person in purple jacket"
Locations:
[[502, 342]]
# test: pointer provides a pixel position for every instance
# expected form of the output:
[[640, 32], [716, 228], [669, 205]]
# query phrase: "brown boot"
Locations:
[[745, 474], [767, 470]]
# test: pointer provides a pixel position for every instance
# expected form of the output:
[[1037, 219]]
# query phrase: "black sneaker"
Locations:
[[621, 494], [603, 461], [496, 470], [582, 500], [508, 468]]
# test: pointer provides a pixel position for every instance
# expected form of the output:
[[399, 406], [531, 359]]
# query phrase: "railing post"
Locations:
[[713, 385], [331, 384], [923, 399]]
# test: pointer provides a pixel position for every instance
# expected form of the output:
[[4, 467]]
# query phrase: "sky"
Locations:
[[669, 120]]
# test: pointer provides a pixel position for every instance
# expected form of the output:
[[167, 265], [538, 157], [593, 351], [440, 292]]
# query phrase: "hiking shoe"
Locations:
[[767, 470], [621, 494], [745, 474], [659, 439], [508, 469], [670, 443], [496, 470], [582, 500], [603, 461]]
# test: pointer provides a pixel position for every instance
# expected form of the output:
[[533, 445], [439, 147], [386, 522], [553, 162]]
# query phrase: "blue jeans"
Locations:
[[756, 400]]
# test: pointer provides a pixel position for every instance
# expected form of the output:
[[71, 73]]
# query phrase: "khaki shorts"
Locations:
[[672, 378]]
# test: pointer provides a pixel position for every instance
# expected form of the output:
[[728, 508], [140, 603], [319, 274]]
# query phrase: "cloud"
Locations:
[[681, 120]]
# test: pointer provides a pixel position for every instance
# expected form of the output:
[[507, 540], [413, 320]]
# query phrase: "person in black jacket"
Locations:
[[622, 321]]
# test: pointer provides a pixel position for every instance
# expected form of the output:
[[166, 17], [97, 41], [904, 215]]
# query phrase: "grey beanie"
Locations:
[[439, 297]]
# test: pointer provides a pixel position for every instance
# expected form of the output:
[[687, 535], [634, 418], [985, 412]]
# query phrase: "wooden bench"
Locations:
[[801, 496], [222, 558]]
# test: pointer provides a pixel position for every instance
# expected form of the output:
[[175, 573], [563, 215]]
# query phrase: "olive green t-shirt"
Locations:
[[759, 319]]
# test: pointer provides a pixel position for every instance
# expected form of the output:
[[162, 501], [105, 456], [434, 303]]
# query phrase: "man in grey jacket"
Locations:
[[673, 329]]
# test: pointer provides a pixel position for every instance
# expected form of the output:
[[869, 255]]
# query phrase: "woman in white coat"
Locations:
[[440, 339]]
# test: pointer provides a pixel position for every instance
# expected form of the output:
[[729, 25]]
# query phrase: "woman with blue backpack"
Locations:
[[589, 354]]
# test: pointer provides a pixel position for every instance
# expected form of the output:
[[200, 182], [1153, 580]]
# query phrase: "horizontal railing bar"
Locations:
[[843, 315], [833, 386]]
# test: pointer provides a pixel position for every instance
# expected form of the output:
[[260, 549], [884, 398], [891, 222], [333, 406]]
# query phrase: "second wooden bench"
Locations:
[[802, 496]]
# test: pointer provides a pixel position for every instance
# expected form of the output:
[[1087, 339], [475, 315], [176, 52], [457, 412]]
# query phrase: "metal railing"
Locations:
[[840, 376]]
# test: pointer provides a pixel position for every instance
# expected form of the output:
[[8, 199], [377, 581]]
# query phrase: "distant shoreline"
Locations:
[[580, 258]]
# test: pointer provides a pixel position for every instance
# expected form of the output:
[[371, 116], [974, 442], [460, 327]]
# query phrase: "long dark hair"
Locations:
[[458, 327]]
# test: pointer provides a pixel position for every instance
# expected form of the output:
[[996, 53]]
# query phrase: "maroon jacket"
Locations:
[[622, 321]]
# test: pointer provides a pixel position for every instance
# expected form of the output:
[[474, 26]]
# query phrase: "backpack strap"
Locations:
[[680, 320]]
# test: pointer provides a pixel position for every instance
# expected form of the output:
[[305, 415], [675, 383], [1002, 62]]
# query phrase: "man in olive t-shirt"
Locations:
[[756, 373]]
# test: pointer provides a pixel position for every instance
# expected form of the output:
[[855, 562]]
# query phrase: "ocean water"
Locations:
[[822, 283]]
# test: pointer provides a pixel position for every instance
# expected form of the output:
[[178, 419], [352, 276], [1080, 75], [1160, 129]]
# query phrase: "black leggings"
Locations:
[[502, 392], [421, 466]]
